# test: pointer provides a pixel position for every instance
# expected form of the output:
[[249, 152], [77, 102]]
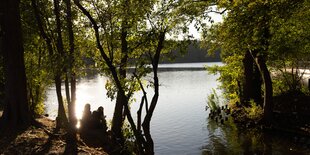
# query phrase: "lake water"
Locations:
[[180, 123]]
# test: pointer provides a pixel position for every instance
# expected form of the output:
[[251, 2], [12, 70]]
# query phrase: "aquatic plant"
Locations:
[[213, 100]]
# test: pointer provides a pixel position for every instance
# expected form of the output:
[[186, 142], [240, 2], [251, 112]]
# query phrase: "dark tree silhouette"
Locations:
[[252, 80], [71, 105], [16, 111]]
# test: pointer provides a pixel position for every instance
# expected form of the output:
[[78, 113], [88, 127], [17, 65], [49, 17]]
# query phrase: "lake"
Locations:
[[180, 123]]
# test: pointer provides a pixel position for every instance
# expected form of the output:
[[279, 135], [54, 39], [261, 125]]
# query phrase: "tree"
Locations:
[[71, 103], [247, 31], [54, 21], [60, 57], [254, 45], [116, 54], [36, 61], [55, 58], [16, 112], [290, 44], [71, 106], [251, 41], [125, 39]]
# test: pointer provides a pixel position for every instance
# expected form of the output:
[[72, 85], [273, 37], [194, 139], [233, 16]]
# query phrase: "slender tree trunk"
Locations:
[[71, 104], [62, 120], [117, 121], [30, 100], [147, 120], [67, 89], [60, 66], [140, 141], [121, 100], [16, 111], [268, 93], [61, 117], [37, 93], [105, 57], [41, 29]]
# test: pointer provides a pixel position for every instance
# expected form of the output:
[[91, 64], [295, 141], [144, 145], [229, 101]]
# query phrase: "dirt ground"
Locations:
[[43, 140]]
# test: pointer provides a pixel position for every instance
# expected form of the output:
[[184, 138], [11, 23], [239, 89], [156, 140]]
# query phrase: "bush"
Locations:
[[254, 112]]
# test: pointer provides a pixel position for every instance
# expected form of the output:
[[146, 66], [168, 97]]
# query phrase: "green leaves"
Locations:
[[278, 30]]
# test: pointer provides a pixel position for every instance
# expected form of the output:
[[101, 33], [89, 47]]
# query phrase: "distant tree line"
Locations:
[[194, 53]]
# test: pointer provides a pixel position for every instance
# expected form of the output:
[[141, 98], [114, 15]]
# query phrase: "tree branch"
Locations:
[[99, 46]]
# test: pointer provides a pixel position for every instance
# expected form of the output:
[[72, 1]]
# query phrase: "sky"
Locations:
[[192, 30]]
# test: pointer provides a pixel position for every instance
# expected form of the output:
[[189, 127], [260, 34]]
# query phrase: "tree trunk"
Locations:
[[121, 100], [67, 89], [268, 93], [71, 104], [1, 30], [309, 84], [117, 121], [247, 91], [60, 67], [147, 120], [257, 86], [252, 84], [61, 119], [261, 63], [140, 141], [16, 111], [1, 54]]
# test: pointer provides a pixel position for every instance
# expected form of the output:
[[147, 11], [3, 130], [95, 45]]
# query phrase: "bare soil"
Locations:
[[43, 140]]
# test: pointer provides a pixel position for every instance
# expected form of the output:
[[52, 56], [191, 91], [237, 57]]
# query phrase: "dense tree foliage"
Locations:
[[290, 45], [63, 42], [36, 61], [256, 37]]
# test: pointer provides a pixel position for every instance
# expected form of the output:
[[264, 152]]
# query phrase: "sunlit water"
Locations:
[[179, 123]]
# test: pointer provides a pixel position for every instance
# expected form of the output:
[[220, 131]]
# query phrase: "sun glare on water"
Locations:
[[79, 107], [92, 92], [82, 98]]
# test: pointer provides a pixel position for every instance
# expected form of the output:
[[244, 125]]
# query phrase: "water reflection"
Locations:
[[179, 124], [228, 139], [90, 89], [82, 98]]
